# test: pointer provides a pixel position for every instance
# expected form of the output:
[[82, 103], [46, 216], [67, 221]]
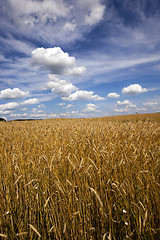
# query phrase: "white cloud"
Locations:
[[74, 112], [3, 58], [38, 115], [30, 101], [50, 21], [133, 89], [83, 95], [61, 104], [50, 84], [37, 111], [4, 112], [18, 45], [113, 95], [150, 104], [141, 109], [60, 87], [64, 89], [24, 109], [12, 93], [36, 12], [121, 110], [69, 114], [68, 106], [41, 106], [124, 103], [126, 106], [52, 115], [9, 106], [90, 108], [55, 60], [15, 115], [69, 26], [94, 11]]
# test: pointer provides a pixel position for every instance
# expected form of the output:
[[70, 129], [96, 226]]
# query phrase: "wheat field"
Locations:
[[80, 179]]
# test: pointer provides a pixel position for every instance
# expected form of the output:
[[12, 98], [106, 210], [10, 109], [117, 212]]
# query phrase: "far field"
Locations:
[[80, 179]]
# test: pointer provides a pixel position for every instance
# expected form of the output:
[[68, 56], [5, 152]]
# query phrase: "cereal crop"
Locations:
[[80, 179]]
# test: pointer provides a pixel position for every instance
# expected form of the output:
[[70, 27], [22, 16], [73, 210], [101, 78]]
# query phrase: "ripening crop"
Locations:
[[80, 179]]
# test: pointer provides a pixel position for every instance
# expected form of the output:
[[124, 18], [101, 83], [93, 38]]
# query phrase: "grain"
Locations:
[[80, 178]]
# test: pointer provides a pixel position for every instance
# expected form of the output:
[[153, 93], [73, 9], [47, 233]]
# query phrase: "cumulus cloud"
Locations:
[[50, 84], [8, 108], [55, 60], [90, 108], [69, 114], [83, 95], [35, 110], [4, 112], [126, 103], [19, 115], [60, 87], [141, 109], [121, 110], [64, 89], [30, 101], [12, 93], [113, 95], [134, 89], [150, 104], [124, 106], [61, 104]]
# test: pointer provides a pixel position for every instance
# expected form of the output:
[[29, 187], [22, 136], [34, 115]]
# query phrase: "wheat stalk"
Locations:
[[3, 235], [96, 194], [35, 230]]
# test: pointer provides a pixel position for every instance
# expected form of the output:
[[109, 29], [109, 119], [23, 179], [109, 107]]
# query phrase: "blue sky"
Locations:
[[86, 58]]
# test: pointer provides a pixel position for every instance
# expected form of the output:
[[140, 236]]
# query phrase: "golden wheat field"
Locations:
[[80, 179]]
